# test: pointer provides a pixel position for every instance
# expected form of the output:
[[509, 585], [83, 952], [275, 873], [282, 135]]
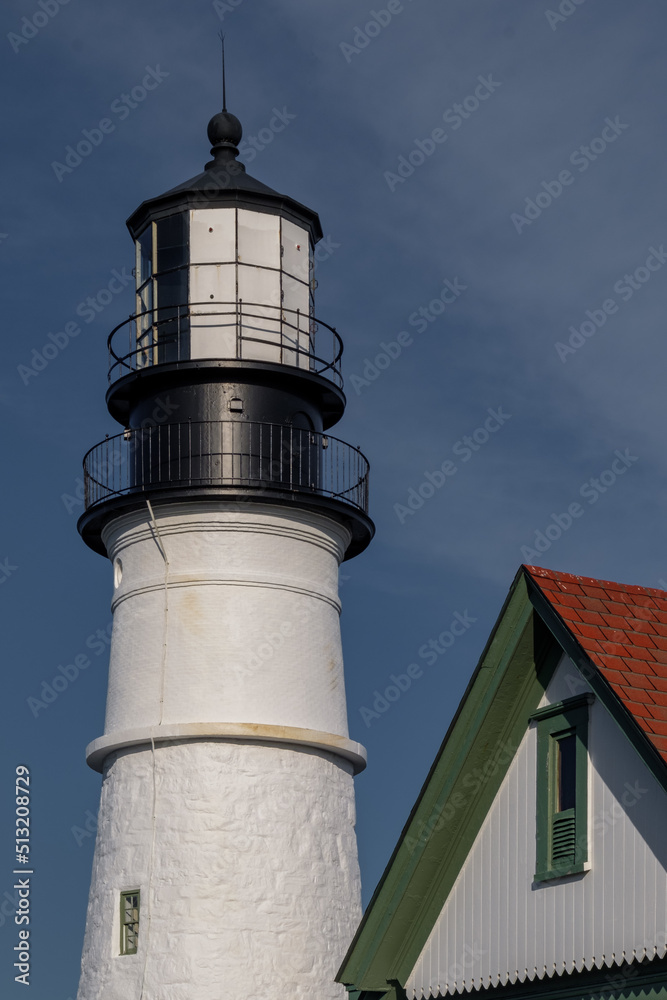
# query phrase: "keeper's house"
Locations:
[[534, 863]]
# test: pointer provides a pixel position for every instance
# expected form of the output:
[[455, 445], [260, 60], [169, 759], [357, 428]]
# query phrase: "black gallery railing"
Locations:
[[229, 454], [244, 331]]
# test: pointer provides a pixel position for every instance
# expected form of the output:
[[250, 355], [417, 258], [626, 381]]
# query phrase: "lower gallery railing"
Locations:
[[226, 453]]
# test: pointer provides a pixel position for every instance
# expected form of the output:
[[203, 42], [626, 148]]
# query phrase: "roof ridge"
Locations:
[[541, 572]]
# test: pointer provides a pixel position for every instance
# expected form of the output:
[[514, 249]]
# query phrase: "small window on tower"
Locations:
[[129, 922]]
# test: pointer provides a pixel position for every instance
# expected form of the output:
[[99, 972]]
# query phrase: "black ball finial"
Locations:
[[224, 129]]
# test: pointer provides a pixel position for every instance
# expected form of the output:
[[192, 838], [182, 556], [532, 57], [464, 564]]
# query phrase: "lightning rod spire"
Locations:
[[224, 80], [224, 129]]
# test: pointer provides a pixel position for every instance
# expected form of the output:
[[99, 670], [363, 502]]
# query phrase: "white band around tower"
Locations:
[[99, 749]]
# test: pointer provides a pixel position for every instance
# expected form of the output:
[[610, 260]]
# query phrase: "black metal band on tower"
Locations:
[[223, 379]]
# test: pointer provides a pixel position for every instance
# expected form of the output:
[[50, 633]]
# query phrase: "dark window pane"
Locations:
[[171, 231], [173, 328], [171, 248], [172, 288], [566, 748], [170, 257]]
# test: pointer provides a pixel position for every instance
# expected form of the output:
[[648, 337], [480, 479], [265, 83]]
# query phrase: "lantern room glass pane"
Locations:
[[171, 242], [144, 272], [171, 289], [145, 242], [258, 239], [296, 251], [212, 236]]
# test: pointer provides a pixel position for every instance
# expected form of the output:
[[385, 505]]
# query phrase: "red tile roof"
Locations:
[[623, 629]]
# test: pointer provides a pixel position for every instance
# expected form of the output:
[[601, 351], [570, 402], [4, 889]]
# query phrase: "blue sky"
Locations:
[[539, 199]]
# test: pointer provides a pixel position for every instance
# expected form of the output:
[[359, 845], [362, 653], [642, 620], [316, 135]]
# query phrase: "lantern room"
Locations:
[[224, 270], [224, 282], [224, 380]]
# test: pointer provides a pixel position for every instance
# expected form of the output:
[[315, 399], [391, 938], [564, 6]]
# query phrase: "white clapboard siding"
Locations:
[[499, 927]]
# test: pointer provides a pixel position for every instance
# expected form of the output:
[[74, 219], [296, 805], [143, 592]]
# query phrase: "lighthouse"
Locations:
[[226, 861]]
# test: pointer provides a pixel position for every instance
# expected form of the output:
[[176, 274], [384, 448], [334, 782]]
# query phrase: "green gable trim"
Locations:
[[509, 681], [561, 707]]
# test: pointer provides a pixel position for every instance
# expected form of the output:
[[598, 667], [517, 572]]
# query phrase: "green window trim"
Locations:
[[562, 788], [129, 922]]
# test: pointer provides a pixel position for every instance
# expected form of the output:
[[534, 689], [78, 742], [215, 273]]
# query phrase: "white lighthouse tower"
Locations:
[[226, 859]]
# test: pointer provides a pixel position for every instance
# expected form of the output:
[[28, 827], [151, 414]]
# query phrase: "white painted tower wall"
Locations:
[[228, 772]]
